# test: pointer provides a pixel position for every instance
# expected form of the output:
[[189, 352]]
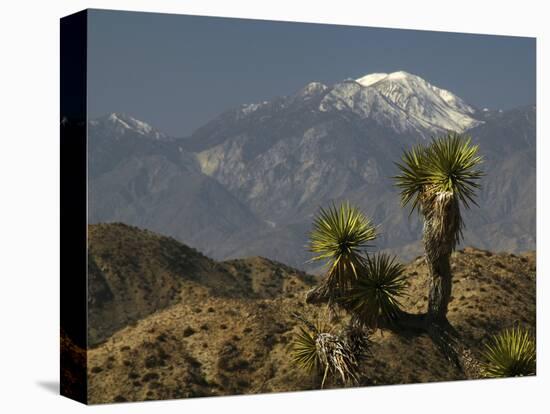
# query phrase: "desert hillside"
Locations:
[[168, 322], [134, 273]]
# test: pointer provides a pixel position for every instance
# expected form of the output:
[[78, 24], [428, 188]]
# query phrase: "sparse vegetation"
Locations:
[[267, 329], [188, 332]]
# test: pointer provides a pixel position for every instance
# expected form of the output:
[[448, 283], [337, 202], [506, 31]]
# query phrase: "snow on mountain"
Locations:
[[253, 107], [400, 100], [429, 106], [370, 79], [368, 102], [312, 89], [405, 102], [122, 123]]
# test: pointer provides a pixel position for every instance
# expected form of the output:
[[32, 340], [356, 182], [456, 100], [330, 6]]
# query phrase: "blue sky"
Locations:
[[177, 72]]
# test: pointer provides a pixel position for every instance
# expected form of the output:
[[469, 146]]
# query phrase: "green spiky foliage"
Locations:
[[512, 353], [316, 349], [447, 165], [339, 236], [374, 296], [435, 179]]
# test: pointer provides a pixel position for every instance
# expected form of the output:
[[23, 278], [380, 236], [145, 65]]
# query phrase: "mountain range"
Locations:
[[249, 182]]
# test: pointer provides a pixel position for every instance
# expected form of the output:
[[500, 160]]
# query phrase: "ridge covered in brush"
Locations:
[[133, 273], [228, 326]]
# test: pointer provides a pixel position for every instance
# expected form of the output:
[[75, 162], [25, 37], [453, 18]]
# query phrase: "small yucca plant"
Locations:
[[317, 349], [304, 347], [374, 296], [512, 353], [339, 236]]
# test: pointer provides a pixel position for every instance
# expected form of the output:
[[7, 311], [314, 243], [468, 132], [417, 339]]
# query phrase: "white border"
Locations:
[[29, 214]]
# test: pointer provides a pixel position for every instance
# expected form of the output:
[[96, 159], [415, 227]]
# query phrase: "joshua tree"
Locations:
[[435, 179], [367, 286], [512, 353], [339, 237]]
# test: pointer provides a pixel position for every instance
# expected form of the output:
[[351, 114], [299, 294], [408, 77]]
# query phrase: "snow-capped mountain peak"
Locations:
[[402, 101], [371, 79], [413, 103]]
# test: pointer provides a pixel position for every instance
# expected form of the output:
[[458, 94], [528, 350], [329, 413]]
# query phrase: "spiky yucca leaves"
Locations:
[[435, 177], [339, 236], [412, 179], [317, 349], [512, 353], [447, 165], [374, 296]]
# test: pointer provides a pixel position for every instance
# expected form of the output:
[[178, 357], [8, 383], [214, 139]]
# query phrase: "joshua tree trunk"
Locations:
[[439, 271], [442, 226]]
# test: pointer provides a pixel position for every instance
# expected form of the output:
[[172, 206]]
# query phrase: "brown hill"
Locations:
[[227, 328], [134, 273]]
